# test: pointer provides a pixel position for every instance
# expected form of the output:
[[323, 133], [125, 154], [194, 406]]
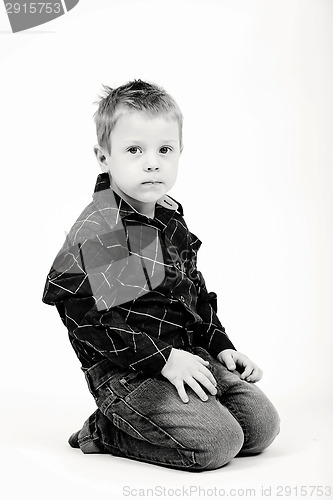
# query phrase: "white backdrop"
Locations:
[[254, 80]]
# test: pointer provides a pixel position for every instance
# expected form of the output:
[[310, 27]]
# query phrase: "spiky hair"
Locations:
[[135, 95]]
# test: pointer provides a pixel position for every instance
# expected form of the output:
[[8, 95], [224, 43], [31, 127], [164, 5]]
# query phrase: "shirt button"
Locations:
[[182, 298]]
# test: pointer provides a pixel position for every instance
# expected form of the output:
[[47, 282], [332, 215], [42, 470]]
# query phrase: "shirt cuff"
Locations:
[[152, 362]]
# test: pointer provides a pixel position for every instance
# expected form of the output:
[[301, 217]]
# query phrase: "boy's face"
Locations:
[[144, 157]]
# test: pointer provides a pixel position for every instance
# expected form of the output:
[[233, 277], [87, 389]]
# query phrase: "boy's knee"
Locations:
[[221, 447], [270, 428], [264, 429]]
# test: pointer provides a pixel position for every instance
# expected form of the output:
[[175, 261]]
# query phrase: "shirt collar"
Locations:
[[114, 208]]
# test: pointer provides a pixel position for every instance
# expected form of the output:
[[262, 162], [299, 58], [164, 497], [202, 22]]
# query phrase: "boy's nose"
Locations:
[[151, 168], [151, 164]]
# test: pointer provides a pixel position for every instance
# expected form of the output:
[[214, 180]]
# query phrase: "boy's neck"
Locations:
[[147, 211]]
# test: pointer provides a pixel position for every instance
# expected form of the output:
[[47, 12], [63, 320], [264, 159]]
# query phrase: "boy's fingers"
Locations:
[[230, 363], [207, 383], [255, 375], [203, 361], [209, 375], [181, 391], [247, 371], [197, 388]]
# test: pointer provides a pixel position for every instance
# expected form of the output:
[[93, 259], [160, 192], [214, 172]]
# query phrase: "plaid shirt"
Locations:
[[127, 287]]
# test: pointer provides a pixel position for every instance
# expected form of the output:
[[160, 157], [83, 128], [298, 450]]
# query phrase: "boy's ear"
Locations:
[[101, 157]]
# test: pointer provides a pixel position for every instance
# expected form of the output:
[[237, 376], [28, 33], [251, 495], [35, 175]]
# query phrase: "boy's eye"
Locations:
[[134, 150], [165, 149]]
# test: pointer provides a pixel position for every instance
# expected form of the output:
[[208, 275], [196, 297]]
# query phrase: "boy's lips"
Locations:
[[152, 182]]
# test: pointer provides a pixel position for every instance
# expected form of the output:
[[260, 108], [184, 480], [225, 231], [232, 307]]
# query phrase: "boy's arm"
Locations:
[[211, 329], [217, 342], [69, 288], [126, 346], [212, 334]]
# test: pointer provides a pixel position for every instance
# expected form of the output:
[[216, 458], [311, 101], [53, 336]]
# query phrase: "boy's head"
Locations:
[[136, 95], [139, 129]]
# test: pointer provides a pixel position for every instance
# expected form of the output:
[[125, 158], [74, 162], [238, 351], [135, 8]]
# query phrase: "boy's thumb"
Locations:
[[231, 365]]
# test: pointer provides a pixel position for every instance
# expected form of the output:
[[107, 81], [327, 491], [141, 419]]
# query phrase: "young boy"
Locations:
[[169, 386]]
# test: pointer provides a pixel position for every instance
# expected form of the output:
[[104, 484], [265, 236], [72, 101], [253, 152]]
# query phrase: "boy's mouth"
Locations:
[[152, 182]]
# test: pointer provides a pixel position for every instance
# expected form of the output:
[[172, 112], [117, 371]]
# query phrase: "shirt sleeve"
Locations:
[[75, 291], [213, 336]]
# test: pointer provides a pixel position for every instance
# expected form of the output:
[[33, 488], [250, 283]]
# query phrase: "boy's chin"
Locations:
[[151, 197], [148, 199]]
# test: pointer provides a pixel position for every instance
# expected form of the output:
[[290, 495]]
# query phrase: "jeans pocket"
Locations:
[[118, 386], [105, 397], [133, 381]]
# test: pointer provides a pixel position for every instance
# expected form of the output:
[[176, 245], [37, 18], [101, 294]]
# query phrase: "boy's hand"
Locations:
[[182, 366], [234, 359]]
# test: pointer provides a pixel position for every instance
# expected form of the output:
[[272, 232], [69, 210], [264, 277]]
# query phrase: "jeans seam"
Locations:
[[130, 425], [166, 462], [156, 426], [88, 439]]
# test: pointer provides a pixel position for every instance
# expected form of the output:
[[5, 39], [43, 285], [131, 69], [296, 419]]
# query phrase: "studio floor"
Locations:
[[38, 463]]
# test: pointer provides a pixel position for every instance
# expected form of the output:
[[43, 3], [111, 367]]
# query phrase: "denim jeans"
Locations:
[[143, 418]]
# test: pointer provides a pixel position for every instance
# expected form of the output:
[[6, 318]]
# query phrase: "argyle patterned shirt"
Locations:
[[127, 287]]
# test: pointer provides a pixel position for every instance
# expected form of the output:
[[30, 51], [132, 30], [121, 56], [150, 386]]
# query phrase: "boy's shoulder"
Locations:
[[88, 225], [97, 218]]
